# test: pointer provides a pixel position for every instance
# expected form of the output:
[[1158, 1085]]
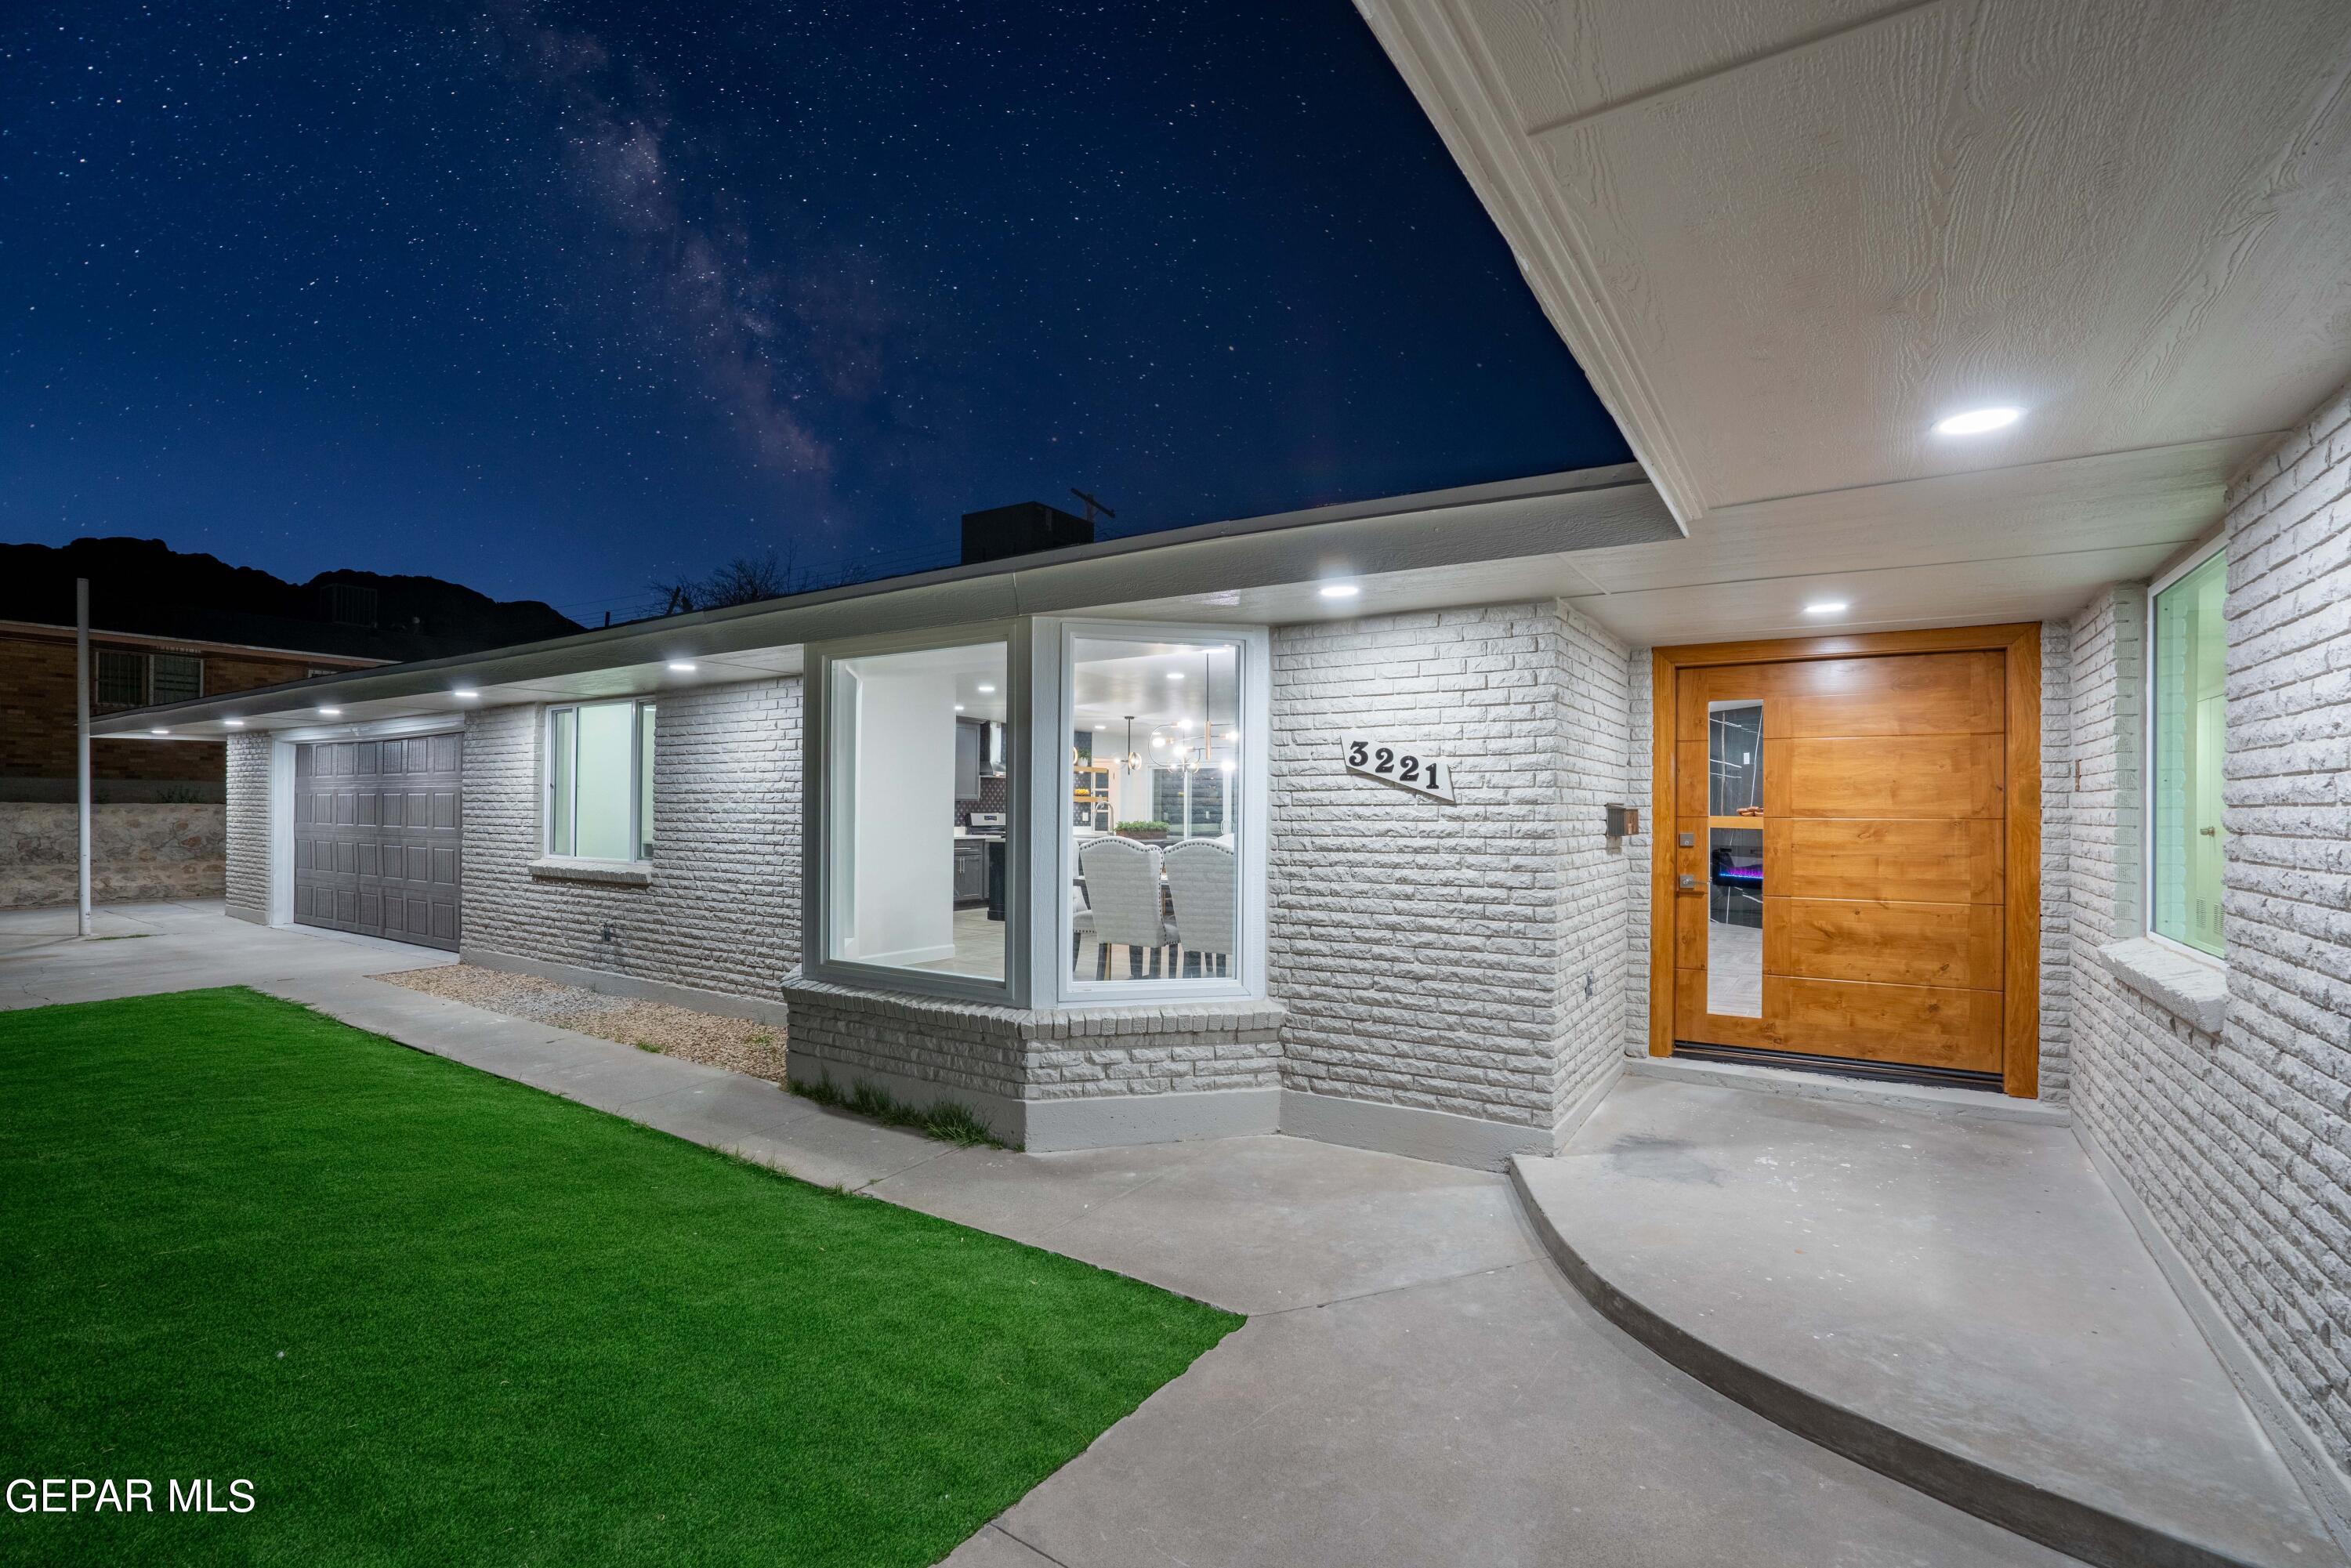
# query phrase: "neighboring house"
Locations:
[[38, 716], [2009, 760], [170, 627]]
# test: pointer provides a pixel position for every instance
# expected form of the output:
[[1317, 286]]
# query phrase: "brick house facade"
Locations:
[[37, 720], [1462, 981]]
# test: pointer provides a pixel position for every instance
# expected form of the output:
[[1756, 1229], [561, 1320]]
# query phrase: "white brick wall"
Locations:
[[248, 824], [2240, 1144], [1434, 955], [1597, 914], [853, 1032], [2057, 857], [1640, 780], [723, 912]]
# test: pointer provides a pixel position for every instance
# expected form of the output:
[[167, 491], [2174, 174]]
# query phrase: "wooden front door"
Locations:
[[1840, 878]]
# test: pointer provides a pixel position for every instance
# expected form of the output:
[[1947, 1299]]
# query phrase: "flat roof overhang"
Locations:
[[1476, 544]]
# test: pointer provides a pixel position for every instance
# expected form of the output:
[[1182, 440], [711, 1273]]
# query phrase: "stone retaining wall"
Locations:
[[140, 850]]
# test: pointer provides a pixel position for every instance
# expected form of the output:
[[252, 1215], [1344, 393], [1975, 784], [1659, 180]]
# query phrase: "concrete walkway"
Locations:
[[1960, 1303], [1417, 1383]]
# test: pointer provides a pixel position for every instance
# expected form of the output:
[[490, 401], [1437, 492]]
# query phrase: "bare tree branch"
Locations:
[[744, 580]]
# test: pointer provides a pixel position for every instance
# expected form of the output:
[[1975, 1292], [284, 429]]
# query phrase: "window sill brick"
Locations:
[[609, 874], [2195, 990]]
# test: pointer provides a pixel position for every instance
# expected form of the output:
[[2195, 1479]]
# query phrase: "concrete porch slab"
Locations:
[[1258, 1223], [1492, 1419], [1957, 1302]]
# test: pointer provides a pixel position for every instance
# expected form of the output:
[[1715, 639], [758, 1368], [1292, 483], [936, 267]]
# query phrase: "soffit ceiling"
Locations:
[[1784, 236]]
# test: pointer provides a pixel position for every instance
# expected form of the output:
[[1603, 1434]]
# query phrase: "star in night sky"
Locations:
[[558, 298]]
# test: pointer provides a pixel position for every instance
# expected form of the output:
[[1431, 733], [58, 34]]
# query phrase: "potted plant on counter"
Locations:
[[1149, 832]]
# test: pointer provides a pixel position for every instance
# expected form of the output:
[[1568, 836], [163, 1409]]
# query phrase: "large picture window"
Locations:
[[1160, 831], [2188, 676], [916, 836], [1042, 811], [600, 781]]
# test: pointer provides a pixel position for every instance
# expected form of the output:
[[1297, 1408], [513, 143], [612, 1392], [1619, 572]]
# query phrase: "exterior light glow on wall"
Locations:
[[1339, 590], [331, 712], [1827, 607], [682, 666], [1977, 421], [234, 723], [465, 694]]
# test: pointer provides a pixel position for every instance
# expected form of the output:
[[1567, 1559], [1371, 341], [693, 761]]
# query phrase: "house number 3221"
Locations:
[[1399, 763]]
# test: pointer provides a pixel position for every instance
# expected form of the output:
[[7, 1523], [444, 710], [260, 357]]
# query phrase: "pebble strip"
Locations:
[[740, 1044]]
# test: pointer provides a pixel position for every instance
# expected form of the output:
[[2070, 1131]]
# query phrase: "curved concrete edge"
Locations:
[[2327, 1487], [2053, 1520]]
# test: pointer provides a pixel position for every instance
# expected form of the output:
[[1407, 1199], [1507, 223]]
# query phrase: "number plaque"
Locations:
[[1400, 763]]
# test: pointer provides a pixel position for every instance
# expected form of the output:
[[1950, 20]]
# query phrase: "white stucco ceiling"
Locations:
[[1785, 236]]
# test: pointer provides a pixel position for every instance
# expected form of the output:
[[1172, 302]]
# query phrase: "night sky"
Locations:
[[556, 300]]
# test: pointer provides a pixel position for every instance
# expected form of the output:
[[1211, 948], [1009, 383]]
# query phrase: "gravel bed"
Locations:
[[740, 1044]]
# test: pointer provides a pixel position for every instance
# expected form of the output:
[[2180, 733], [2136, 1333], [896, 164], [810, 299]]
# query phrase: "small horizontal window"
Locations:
[[176, 678], [121, 678]]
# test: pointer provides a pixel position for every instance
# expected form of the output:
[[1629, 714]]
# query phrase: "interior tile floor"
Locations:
[[1734, 970], [979, 944]]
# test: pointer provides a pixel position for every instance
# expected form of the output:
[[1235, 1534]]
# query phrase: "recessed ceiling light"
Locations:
[[465, 694], [332, 712], [1339, 590], [159, 731], [985, 688], [1827, 607], [1100, 727], [1976, 421], [1175, 674], [682, 666], [234, 723], [958, 707]]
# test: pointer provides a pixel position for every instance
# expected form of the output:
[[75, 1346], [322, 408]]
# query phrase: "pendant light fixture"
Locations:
[[1133, 758]]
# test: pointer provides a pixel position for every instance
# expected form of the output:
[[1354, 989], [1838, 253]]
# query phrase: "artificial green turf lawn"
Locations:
[[438, 1317]]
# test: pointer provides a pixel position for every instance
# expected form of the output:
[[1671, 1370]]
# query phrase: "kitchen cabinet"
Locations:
[[967, 763], [970, 871]]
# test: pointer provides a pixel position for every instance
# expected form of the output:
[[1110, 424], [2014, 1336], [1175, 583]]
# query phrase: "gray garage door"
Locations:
[[376, 829]]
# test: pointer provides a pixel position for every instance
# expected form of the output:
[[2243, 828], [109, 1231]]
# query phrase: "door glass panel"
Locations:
[[1734, 894]]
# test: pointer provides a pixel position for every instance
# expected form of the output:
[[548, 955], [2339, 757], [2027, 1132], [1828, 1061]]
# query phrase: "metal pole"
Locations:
[[81, 736]]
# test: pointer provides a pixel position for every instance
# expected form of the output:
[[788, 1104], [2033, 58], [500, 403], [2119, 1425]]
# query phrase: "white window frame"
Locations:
[[640, 808], [825, 777], [2147, 775], [1056, 861]]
